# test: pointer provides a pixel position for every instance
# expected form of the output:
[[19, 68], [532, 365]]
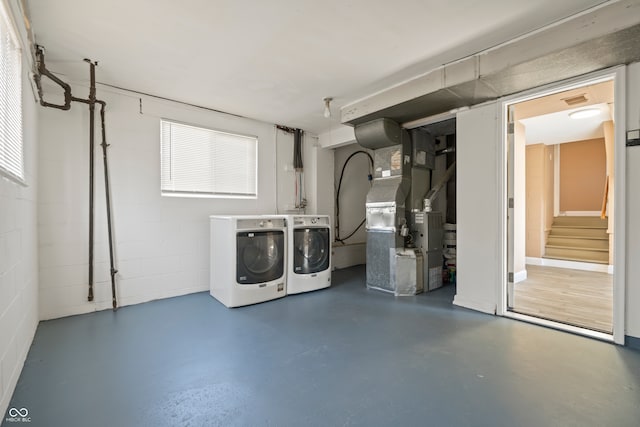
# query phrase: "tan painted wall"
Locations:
[[582, 175], [549, 187], [609, 144], [535, 205], [539, 176], [519, 211]]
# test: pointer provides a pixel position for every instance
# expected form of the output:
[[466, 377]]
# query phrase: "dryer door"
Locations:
[[259, 257], [311, 249]]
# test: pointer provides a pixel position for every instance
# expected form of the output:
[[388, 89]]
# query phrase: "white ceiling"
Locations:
[[558, 127], [275, 60]]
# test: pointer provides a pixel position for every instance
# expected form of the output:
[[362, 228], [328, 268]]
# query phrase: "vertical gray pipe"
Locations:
[[92, 107], [107, 190]]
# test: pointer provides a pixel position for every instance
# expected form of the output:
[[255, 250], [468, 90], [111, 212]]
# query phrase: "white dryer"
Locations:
[[309, 253], [248, 259]]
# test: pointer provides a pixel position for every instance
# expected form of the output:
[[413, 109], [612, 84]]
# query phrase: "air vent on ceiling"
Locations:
[[575, 100]]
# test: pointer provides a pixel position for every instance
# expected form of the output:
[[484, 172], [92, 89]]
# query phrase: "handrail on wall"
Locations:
[[605, 198]]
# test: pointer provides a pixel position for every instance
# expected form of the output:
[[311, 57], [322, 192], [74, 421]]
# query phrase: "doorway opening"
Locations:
[[562, 172]]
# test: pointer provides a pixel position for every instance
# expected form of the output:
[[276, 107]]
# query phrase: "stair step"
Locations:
[[577, 248], [580, 221], [583, 232], [578, 259], [578, 242], [569, 236], [585, 226], [581, 254], [578, 238]]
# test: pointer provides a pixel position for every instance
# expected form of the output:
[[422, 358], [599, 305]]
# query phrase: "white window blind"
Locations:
[[204, 162], [11, 151]]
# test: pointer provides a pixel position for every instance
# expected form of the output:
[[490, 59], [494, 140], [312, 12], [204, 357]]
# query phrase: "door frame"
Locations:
[[618, 75]]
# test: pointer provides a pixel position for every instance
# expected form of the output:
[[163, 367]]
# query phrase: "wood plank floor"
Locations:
[[580, 298]]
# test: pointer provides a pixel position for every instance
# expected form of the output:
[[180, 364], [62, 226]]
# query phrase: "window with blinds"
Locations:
[[11, 151], [207, 163]]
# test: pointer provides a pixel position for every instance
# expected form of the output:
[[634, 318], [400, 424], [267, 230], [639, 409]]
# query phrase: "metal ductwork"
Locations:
[[385, 204], [404, 238], [378, 133], [391, 175], [603, 37], [402, 161]]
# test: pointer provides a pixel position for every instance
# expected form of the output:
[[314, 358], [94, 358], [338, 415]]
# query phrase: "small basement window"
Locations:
[[200, 162], [11, 145]]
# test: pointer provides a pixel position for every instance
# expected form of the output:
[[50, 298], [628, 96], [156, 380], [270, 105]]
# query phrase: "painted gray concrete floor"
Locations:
[[338, 357]]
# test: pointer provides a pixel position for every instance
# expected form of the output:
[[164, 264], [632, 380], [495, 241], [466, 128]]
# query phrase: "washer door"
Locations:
[[310, 250], [259, 256]]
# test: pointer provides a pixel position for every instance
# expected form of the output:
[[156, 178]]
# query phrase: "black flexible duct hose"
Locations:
[[297, 149], [370, 178]]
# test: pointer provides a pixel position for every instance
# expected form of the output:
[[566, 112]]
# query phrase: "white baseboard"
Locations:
[[574, 265], [520, 276]]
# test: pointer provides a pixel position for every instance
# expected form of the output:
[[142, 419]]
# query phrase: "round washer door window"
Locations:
[[260, 256], [310, 250]]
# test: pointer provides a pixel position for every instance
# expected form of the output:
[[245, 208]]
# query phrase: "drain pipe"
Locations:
[[91, 101], [107, 190], [92, 107], [42, 71]]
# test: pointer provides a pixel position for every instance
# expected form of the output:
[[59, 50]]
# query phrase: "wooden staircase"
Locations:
[[578, 238]]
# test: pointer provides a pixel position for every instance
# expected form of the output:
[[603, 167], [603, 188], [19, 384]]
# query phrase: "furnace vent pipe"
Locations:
[[445, 151], [435, 190]]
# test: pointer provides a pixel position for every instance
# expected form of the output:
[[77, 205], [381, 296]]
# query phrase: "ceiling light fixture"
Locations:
[[327, 110], [584, 113]]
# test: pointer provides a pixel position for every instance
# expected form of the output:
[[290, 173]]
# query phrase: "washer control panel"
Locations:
[[311, 220]]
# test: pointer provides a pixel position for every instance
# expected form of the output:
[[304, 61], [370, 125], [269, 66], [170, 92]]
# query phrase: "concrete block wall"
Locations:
[[19, 256], [162, 242]]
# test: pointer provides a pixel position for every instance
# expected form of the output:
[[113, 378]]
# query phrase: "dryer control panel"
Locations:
[[260, 223]]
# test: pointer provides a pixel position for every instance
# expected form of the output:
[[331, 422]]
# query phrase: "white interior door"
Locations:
[[480, 260]]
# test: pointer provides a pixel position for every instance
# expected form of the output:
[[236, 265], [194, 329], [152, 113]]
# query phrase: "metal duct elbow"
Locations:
[[378, 133]]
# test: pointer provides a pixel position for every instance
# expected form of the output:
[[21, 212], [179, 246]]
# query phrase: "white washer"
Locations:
[[309, 253], [248, 259]]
